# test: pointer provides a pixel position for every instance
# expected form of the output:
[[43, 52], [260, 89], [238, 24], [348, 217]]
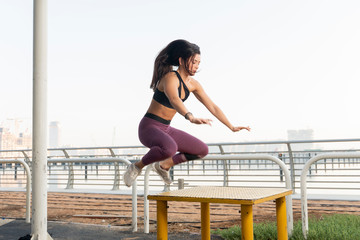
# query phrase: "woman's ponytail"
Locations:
[[161, 67]]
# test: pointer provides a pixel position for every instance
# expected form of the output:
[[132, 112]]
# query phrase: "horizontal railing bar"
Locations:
[[209, 144], [86, 160], [346, 176], [242, 175], [333, 188], [286, 142]]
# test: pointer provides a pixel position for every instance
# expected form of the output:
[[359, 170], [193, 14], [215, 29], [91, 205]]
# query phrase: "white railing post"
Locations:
[[109, 159], [116, 184], [71, 177], [292, 165], [28, 184], [146, 201], [28, 189], [134, 207], [226, 170], [304, 207]]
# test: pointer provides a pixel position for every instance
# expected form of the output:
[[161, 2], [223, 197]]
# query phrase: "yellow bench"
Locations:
[[246, 197]]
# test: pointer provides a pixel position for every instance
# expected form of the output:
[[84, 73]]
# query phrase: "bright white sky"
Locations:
[[272, 65]]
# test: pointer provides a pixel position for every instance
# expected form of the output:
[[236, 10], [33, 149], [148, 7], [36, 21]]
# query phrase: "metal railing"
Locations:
[[304, 175], [85, 162], [70, 174], [28, 183], [284, 150], [71, 178], [100, 167], [215, 148], [116, 183]]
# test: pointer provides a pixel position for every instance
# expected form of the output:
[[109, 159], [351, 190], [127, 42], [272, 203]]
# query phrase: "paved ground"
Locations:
[[17, 229]]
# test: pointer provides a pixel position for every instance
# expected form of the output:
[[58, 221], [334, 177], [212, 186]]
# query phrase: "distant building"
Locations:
[[24, 141], [11, 141], [54, 134], [7, 139], [299, 135], [15, 135]]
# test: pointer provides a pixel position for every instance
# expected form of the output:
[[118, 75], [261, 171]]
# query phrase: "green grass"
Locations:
[[330, 227]]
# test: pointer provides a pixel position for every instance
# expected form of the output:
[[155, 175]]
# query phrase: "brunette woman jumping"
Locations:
[[168, 145]]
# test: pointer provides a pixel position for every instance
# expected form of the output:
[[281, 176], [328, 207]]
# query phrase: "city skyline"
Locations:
[[15, 134], [19, 128], [274, 66]]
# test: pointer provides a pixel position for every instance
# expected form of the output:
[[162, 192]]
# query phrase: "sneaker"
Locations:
[[131, 174], [165, 176]]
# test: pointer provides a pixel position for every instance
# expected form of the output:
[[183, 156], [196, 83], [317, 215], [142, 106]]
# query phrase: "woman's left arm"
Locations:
[[201, 95]]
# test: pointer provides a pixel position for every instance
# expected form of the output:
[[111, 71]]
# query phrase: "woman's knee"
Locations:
[[201, 152], [158, 153], [168, 152]]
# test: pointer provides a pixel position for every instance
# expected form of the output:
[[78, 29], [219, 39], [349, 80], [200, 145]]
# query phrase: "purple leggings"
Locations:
[[164, 141]]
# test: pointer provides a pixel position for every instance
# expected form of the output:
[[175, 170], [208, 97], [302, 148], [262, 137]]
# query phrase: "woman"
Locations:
[[170, 146]]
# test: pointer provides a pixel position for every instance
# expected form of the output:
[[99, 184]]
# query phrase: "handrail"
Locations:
[[77, 160], [288, 183], [289, 141], [111, 148], [304, 207], [28, 183], [137, 151], [110, 159], [88, 160]]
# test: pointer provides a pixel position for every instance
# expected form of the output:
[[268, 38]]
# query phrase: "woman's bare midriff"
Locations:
[[161, 111]]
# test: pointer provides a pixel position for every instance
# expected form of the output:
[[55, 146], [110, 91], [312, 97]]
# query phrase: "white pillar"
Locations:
[[39, 155]]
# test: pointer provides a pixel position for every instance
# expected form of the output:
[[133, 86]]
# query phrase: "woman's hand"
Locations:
[[200, 121], [237, 129]]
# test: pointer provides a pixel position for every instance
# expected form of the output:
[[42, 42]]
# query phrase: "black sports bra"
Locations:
[[161, 98]]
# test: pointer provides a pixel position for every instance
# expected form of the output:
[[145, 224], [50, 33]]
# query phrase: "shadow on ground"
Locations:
[[19, 229]]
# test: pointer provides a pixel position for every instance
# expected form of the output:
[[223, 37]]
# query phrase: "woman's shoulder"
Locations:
[[194, 82], [170, 76], [195, 85]]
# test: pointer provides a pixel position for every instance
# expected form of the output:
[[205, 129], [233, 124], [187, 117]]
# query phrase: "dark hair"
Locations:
[[169, 57]]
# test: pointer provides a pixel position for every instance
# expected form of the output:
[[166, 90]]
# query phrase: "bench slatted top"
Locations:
[[231, 195]]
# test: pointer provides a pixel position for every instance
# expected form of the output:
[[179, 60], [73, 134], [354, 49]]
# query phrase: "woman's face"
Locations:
[[193, 64]]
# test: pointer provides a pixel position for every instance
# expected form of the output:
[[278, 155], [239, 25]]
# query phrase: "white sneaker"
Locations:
[[131, 174], [165, 176]]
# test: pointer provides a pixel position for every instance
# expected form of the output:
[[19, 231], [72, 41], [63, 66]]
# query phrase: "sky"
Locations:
[[271, 65]]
